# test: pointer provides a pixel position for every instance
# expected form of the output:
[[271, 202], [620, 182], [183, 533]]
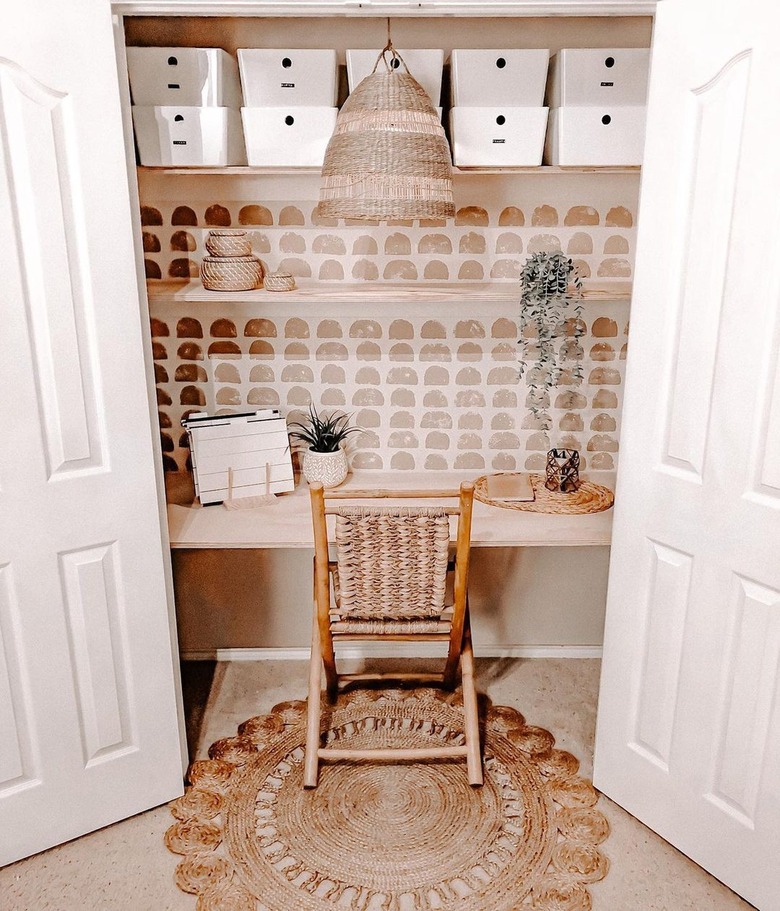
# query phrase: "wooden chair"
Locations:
[[389, 583]]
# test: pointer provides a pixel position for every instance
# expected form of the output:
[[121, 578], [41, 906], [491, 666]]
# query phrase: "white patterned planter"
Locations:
[[329, 468]]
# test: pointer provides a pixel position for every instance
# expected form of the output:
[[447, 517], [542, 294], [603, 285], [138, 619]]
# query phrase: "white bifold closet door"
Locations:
[[89, 724], [689, 715]]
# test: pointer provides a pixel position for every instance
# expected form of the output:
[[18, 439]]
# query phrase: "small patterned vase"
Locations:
[[563, 470], [329, 468]]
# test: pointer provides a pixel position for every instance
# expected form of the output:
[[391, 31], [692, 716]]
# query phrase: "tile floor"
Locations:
[[126, 866]]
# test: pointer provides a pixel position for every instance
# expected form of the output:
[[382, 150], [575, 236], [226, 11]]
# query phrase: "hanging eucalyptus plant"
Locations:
[[550, 327]]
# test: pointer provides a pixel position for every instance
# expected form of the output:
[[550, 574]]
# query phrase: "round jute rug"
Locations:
[[388, 836]]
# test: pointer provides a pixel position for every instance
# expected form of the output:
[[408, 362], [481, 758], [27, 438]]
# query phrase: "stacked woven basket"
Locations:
[[230, 265]]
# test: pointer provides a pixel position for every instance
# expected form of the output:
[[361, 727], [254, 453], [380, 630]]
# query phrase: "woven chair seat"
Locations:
[[390, 627]]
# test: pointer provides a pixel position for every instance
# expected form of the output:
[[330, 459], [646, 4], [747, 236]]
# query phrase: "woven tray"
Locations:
[[589, 498]]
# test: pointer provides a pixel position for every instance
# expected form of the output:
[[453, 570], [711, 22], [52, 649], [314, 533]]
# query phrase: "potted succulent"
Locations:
[[550, 328], [321, 437]]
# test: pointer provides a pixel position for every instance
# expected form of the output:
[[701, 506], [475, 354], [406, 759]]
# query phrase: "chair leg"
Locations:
[[331, 677], [311, 759], [450, 676], [325, 640], [471, 713]]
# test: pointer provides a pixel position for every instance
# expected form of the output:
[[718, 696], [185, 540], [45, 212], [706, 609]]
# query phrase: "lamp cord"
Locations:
[[393, 54]]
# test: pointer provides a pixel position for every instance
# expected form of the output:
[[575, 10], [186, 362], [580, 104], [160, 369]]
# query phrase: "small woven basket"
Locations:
[[279, 281], [228, 243], [388, 156], [231, 273]]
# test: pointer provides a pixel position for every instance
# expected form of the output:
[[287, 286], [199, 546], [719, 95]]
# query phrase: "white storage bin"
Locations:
[[514, 78], [193, 76], [287, 137], [184, 136], [272, 78], [580, 136], [425, 65], [501, 137], [590, 77]]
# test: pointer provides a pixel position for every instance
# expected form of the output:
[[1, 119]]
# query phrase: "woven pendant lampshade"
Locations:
[[388, 156]]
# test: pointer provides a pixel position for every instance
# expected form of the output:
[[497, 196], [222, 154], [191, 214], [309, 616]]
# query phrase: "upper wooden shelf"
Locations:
[[457, 172], [314, 292], [287, 523], [499, 9]]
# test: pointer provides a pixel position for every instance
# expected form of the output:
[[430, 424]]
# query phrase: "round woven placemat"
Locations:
[[378, 836], [589, 498]]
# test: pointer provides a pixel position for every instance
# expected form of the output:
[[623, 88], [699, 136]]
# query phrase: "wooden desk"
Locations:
[[287, 524]]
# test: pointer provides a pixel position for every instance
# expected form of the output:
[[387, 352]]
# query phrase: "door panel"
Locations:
[[88, 695], [98, 644], [43, 183], [664, 622], [714, 124], [750, 679], [16, 763], [766, 435], [688, 733]]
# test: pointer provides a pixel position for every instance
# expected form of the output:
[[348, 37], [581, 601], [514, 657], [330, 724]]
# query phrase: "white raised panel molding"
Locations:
[[716, 111], [751, 677], [45, 200], [767, 435], [15, 749], [98, 644], [659, 671]]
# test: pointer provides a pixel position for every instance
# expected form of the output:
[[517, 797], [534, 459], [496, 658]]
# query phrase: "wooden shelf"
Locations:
[[549, 169], [457, 172], [287, 523], [311, 292]]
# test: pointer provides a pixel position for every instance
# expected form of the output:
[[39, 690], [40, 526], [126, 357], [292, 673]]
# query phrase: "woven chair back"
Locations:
[[392, 562]]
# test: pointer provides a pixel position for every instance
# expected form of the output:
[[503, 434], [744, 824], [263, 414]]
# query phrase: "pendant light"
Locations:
[[388, 156]]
